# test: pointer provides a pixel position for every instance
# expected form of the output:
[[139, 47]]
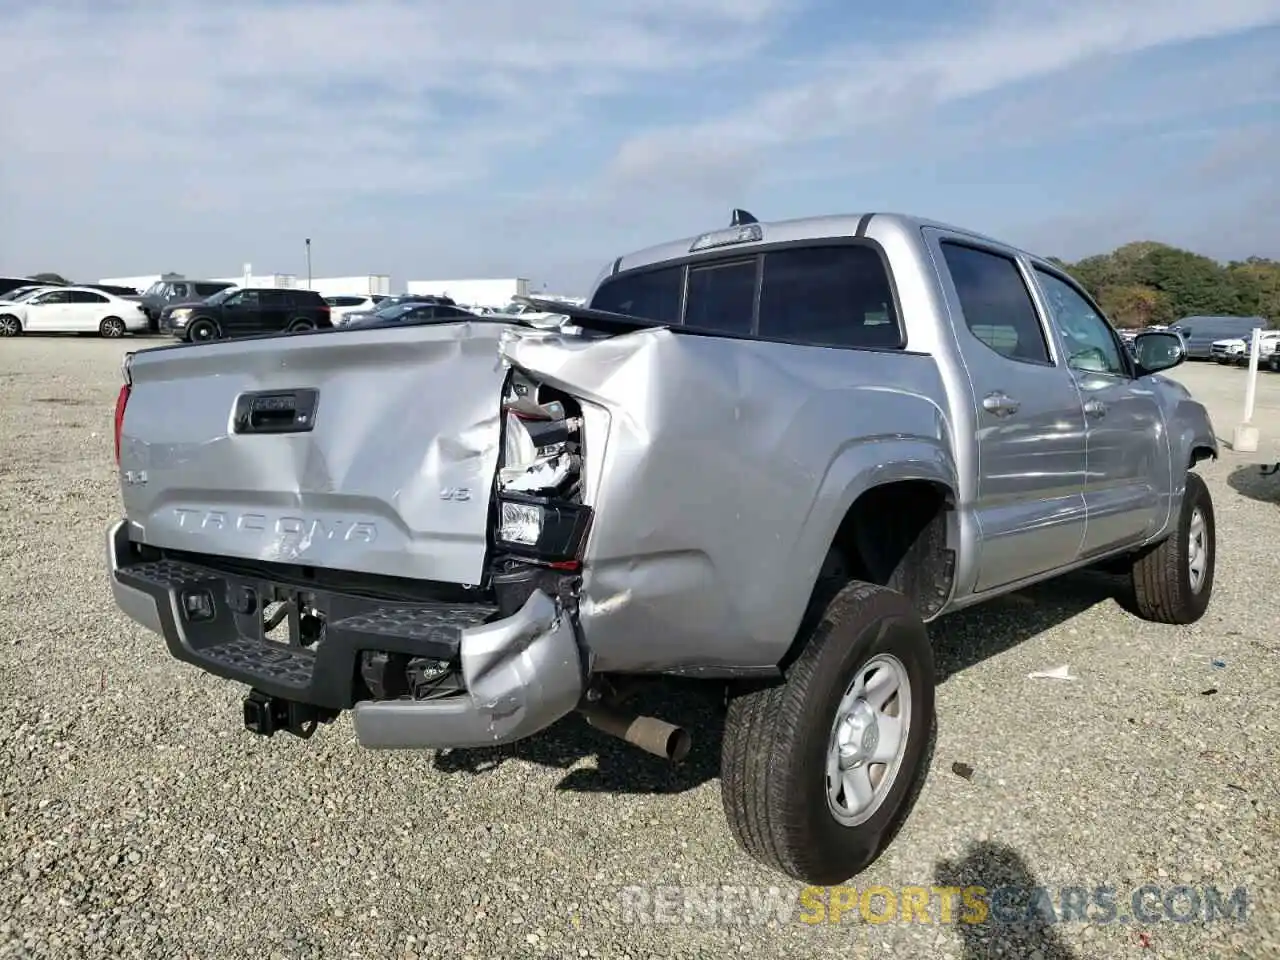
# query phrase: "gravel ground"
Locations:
[[138, 819]]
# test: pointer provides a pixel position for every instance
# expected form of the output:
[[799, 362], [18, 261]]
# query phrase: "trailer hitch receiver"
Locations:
[[265, 715]]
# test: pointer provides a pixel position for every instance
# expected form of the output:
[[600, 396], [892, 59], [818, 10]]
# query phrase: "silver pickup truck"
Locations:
[[766, 456]]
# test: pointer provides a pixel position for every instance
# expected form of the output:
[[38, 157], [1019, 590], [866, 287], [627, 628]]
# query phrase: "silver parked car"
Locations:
[[764, 457]]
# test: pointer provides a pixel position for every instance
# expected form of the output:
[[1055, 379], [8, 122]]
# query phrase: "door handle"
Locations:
[[1000, 404], [281, 411], [1095, 408]]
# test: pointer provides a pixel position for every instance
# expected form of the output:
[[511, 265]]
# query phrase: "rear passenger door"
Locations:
[[86, 310], [1030, 506], [277, 308]]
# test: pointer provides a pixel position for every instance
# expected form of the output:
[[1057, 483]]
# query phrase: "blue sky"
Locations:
[[502, 138]]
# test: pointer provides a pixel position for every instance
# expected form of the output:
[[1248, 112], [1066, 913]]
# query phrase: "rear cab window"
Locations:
[[829, 293]]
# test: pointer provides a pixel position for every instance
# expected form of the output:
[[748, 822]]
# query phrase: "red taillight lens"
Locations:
[[122, 401]]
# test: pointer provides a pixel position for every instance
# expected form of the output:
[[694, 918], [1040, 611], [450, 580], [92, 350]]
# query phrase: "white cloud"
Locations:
[[396, 132], [868, 86], [185, 107]]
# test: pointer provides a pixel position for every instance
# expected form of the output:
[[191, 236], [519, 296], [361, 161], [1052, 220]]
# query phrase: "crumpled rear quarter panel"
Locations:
[[727, 467]]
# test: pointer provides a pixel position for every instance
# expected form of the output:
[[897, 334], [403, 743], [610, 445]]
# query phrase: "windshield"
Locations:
[[221, 295], [155, 289], [20, 293]]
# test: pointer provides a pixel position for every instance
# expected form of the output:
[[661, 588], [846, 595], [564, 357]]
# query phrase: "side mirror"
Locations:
[[1158, 350]]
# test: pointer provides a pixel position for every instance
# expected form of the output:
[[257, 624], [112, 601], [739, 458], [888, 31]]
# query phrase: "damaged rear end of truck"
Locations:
[[389, 522], [462, 532]]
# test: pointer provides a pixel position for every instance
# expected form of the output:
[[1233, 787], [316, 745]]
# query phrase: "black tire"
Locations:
[[10, 326], [776, 741], [301, 326], [202, 331], [1164, 585], [112, 328]]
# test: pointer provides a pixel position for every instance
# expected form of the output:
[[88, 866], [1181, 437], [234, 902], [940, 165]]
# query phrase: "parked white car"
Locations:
[[1236, 349], [340, 306], [72, 310]]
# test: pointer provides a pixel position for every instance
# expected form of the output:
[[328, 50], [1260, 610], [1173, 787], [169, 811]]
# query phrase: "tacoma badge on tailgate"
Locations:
[[309, 528]]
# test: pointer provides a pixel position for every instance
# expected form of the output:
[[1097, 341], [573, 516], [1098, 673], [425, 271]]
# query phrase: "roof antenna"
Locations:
[[741, 217]]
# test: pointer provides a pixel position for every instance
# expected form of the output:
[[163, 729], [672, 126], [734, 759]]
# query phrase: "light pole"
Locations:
[[308, 263]]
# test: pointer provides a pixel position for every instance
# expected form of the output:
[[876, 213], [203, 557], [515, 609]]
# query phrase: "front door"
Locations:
[[240, 314], [47, 312], [1127, 445], [1031, 432]]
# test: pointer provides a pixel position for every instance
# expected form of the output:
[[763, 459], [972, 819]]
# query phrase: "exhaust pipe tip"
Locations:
[[662, 739], [678, 745]]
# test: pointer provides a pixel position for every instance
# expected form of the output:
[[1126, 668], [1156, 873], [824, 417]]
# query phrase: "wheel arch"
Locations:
[[900, 530]]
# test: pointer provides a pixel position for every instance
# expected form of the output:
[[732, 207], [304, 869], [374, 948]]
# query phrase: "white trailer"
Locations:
[[473, 293], [270, 281], [375, 284]]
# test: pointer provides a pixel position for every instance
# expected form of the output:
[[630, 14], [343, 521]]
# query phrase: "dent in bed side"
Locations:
[[763, 434]]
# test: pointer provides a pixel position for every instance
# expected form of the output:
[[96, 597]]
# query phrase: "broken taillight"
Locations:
[[541, 516], [122, 400]]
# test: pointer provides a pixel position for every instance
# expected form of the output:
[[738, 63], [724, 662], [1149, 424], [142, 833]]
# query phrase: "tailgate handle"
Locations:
[[276, 411]]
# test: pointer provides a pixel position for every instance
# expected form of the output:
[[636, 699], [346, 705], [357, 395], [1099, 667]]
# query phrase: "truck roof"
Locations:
[[803, 228]]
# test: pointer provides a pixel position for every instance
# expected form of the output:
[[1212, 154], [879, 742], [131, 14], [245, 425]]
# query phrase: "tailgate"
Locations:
[[388, 473]]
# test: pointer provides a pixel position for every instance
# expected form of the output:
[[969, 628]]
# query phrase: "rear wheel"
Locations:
[[112, 328], [818, 772], [202, 331], [1173, 581], [300, 326], [10, 326]]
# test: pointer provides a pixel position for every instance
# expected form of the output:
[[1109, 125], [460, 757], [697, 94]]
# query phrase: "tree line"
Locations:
[[1146, 282]]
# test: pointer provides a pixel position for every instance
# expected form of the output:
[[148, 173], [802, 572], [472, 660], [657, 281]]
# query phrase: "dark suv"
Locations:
[[175, 292], [246, 312]]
